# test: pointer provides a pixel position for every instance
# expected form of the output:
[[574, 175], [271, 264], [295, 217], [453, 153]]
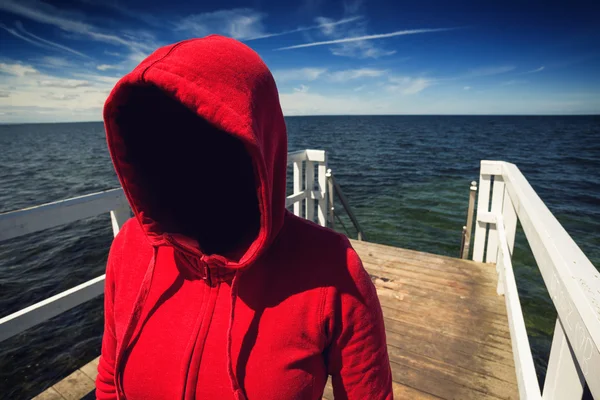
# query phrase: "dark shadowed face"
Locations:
[[196, 179]]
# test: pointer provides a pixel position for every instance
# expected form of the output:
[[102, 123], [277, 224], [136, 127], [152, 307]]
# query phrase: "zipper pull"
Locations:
[[207, 276]]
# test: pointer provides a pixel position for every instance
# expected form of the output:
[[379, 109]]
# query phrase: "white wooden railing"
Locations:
[[17, 223], [571, 280]]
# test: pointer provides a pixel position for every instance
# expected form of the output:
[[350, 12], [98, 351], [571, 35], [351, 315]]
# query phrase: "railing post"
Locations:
[[298, 185], [468, 229], [321, 213], [483, 200], [330, 197], [309, 187], [119, 216], [509, 214], [564, 379], [496, 208]]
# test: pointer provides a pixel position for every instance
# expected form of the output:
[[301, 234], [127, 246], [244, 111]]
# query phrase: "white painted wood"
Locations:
[[310, 186], [524, 366], [491, 167], [33, 219], [318, 156], [487, 217], [295, 198], [510, 220], [118, 217], [296, 156], [564, 379], [496, 209], [44, 310], [483, 199], [572, 281], [322, 203], [297, 186]]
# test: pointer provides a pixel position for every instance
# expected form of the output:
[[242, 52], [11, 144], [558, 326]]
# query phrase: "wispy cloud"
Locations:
[[408, 85], [48, 42], [533, 71], [67, 21], [60, 97], [64, 83], [35, 40], [298, 74], [488, 71], [513, 82], [467, 88], [351, 74], [17, 69], [238, 23], [56, 62], [301, 89], [244, 24], [330, 24], [365, 37], [34, 95], [106, 67]]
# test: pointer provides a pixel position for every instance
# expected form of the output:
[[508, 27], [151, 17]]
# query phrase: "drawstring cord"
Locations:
[[132, 323], [238, 393], [134, 319]]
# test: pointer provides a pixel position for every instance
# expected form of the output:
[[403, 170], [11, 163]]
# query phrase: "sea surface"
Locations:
[[406, 177]]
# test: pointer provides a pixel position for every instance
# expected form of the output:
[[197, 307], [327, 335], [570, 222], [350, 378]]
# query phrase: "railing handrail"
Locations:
[[45, 216], [338, 190], [29, 220], [572, 281]]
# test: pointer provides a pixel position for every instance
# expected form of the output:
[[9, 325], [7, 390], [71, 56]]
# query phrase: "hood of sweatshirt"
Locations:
[[199, 144]]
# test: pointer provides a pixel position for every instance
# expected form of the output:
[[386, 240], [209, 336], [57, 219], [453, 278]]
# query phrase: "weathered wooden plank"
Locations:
[[75, 386], [461, 269], [481, 333], [482, 384], [430, 272], [450, 349], [448, 316], [49, 394], [435, 384], [403, 288], [91, 369], [400, 392]]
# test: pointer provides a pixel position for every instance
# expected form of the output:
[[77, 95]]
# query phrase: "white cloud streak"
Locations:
[[106, 67], [327, 25], [351, 74], [533, 71], [48, 42], [298, 74], [244, 24], [69, 22], [488, 71], [408, 86], [365, 37]]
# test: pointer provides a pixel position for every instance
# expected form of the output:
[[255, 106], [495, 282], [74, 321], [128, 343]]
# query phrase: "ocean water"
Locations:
[[406, 177]]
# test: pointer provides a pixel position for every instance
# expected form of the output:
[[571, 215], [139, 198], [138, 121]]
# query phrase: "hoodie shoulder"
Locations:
[[130, 243], [313, 248]]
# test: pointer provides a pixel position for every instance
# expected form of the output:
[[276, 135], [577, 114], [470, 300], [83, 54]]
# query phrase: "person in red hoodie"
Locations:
[[214, 290]]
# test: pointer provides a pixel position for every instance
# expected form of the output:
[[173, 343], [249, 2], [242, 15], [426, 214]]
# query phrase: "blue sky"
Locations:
[[59, 60]]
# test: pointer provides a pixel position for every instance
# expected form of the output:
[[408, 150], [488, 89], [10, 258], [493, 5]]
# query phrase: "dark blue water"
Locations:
[[407, 178]]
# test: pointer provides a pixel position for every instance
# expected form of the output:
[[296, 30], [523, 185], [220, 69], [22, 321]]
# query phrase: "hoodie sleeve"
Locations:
[[357, 355], [105, 381]]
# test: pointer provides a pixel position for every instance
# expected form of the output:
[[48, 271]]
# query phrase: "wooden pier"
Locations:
[[447, 329]]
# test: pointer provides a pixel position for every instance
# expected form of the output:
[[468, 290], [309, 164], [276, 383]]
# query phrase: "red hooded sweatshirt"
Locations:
[[214, 290]]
